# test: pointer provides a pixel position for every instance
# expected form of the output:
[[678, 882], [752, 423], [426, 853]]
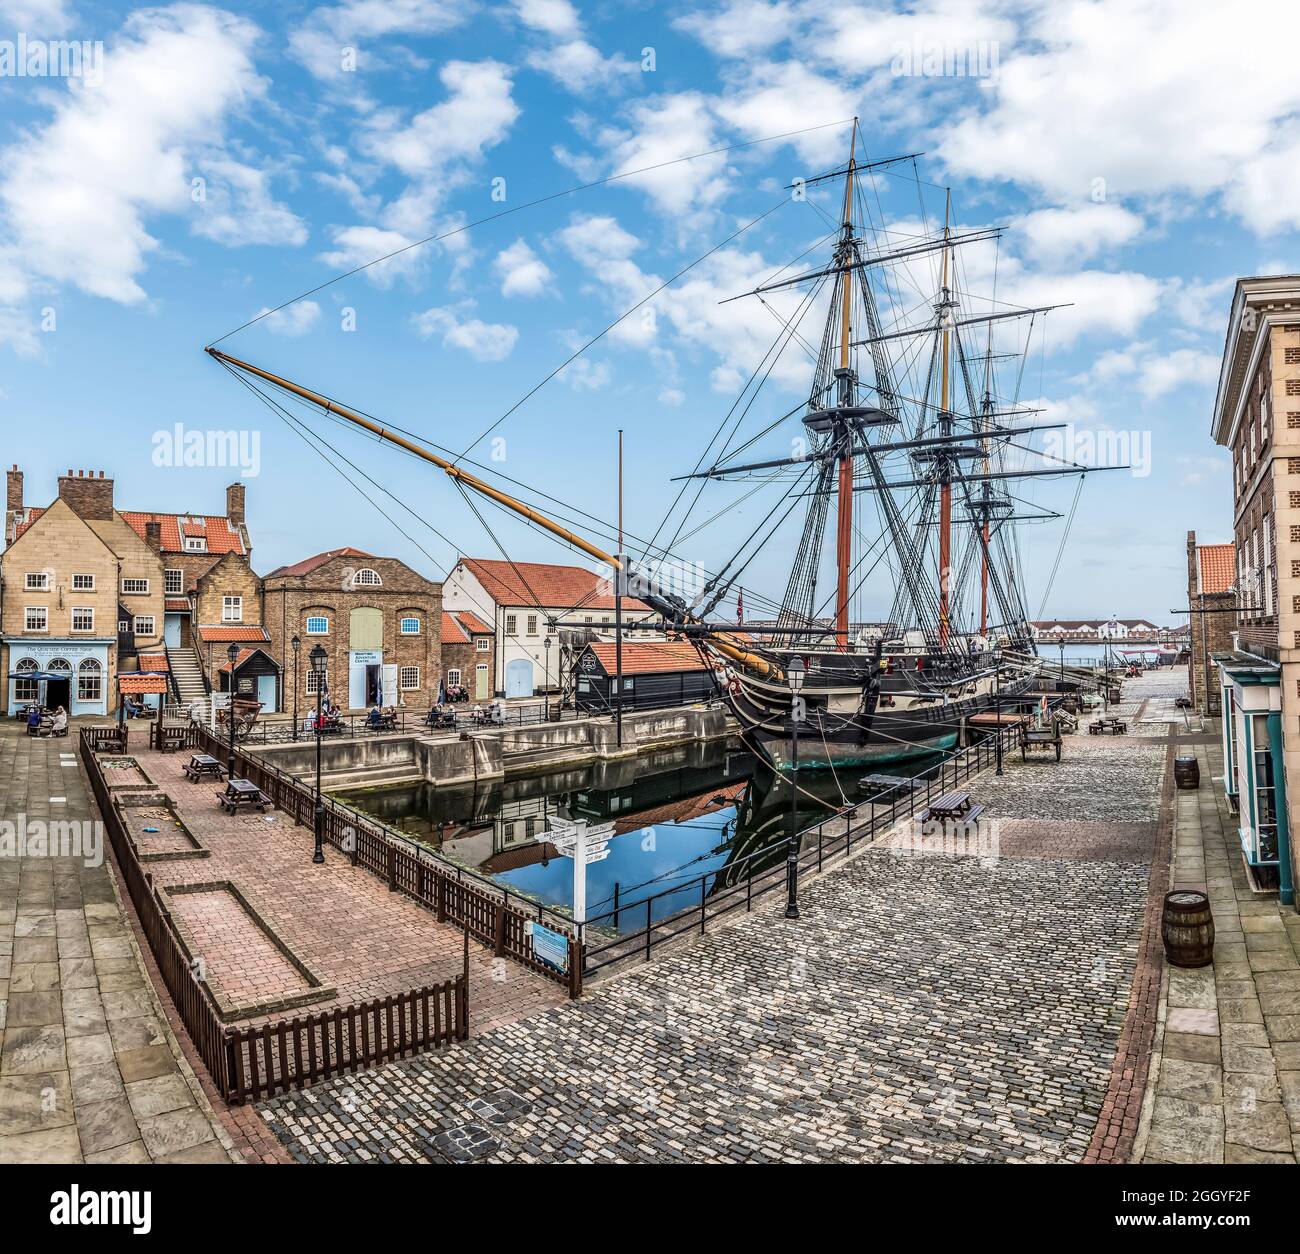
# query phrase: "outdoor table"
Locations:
[[241, 792], [952, 805], [202, 764]]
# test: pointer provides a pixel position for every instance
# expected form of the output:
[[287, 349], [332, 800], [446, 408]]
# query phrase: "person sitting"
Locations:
[[34, 720], [375, 718], [60, 725]]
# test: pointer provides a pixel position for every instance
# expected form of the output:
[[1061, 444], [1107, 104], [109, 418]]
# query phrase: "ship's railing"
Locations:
[[738, 885]]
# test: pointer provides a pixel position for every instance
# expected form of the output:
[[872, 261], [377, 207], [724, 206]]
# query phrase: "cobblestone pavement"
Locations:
[[340, 921], [89, 1069], [1228, 1068], [924, 1007]]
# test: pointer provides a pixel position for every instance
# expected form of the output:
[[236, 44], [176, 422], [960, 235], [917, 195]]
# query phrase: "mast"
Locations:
[[844, 514], [620, 576], [984, 548], [945, 423]]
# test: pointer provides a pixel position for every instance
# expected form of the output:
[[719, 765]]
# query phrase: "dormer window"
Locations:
[[367, 578], [196, 544]]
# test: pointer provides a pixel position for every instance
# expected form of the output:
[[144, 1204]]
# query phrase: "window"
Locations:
[[144, 624], [135, 587], [410, 627], [318, 626], [482, 644], [59, 666], [89, 681], [313, 682], [37, 581], [174, 582], [36, 618], [512, 624], [408, 677], [196, 544], [83, 619], [232, 609], [532, 624], [453, 678], [26, 689], [367, 579], [1265, 798], [83, 583], [123, 626]]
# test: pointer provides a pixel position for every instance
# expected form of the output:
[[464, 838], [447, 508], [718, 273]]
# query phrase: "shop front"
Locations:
[[69, 673]]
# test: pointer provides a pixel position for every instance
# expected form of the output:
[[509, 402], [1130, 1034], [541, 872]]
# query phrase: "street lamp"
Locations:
[[296, 642], [232, 653], [1062, 646], [546, 684], [794, 674], [997, 705], [319, 660]]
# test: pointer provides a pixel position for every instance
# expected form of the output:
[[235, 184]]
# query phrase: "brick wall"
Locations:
[[88, 492], [465, 656], [229, 575]]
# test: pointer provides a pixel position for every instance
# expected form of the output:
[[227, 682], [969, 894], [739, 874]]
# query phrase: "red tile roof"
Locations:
[[154, 662], [473, 623], [1218, 564], [545, 585], [226, 635], [222, 535], [452, 631], [142, 683], [651, 657], [309, 564], [177, 605], [460, 626]]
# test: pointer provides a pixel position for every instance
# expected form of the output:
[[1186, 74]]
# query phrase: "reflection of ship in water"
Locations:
[[723, 810]]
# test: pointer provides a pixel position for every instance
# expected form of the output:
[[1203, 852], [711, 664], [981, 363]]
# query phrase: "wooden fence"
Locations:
[[251, 1062], [490, 913]]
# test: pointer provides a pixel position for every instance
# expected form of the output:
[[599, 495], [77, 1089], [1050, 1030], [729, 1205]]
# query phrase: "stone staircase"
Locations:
[[189, 676]]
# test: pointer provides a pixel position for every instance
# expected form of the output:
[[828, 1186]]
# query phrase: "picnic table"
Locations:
[[383, 722], [1114, 726], [953, 807], [242, 792], [202, 765]]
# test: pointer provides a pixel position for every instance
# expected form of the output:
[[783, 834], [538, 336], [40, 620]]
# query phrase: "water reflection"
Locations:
[[706, 810]]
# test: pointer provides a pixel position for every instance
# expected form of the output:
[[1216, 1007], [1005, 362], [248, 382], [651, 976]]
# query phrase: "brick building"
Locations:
[[467, 654], [1257, 417], [1211, 596], [379, 621]]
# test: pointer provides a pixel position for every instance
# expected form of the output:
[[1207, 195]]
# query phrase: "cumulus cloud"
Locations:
[[484, 341], [360, 245], [741, 27], [335, 42], [294, 320], [522, 271], [238, 207], [554, 17], [1077, 233]]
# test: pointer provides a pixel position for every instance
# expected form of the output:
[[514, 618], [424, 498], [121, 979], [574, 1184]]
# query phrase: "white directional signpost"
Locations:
[[585, 845]]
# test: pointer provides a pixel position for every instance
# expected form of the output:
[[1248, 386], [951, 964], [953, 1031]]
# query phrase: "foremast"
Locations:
[[846, 399]]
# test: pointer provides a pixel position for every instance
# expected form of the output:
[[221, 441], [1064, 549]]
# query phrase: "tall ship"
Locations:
[[897, 495]]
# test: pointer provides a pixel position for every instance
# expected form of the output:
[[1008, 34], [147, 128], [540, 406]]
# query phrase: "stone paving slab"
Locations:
[[79, 1024]]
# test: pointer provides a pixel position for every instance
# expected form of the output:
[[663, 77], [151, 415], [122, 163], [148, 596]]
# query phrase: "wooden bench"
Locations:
[[202, 765], [954, 807], [242, 792], [168, 739]]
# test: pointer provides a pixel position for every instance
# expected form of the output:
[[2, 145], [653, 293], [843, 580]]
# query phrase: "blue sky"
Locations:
[[236, 156]]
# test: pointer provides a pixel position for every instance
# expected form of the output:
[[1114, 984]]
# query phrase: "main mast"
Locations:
[[945, 428], [844, 513]]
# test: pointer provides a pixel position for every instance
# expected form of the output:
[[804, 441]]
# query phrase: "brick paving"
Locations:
[[89, 1069], [1227, 1065], [925, 1007], [340, 921]]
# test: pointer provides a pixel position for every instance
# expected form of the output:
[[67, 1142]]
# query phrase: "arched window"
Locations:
[[26, 689], [367, 578], [90, 681], [59, 666]]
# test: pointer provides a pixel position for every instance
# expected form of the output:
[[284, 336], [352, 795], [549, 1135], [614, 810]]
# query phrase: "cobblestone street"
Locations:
[[924, 1007]]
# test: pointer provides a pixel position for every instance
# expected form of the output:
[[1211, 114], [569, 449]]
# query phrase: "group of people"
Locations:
[[42, 722]]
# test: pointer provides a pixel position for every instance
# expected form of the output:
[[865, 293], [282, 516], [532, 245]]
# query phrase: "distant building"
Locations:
[[1257, 417], [1050, 629], [378, 620], [1211, 596], [521, 601], [656, 673], [467, 654]]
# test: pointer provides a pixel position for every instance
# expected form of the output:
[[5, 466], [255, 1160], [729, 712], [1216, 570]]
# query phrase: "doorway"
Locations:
[[58, 692], [519, 678]]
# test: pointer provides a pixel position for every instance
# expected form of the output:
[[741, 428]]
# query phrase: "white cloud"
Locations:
[[1164, 372], [584, 375], [522, 271], [484, 341], [323, 41], [580, 66], [294, 320], [673, 397], [1078, 233], [76, 193], [771, 99], [553, 17], [359, 245], [35, 17], [740, 27], [239, 208]]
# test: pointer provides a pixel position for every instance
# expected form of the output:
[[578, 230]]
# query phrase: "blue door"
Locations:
[[172, 631], [266, 693], [519, 678]]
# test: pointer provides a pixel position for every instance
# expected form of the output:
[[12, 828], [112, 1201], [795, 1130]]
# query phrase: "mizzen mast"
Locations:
[[846, 399]]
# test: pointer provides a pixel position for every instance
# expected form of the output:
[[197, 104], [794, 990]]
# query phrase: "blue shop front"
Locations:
[[1254, 775], [72, 673]]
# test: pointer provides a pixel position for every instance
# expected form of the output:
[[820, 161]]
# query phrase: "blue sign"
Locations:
[[551, 947]]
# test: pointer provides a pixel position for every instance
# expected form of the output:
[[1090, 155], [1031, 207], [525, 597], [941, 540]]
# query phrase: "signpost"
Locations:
[[585, 845]]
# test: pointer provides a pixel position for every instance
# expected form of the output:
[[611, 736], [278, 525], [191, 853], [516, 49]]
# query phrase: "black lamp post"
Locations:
[[794, 673], [319, 660], [296, 642], [997, 705], [232, 653], [1062, 644], [546, 687]]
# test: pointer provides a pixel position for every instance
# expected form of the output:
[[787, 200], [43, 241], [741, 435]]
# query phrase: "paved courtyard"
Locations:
[[89, 1069], [953, 1007]]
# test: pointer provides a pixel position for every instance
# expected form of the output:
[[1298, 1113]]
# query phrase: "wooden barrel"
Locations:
[[1188, 929], [1187, 774]]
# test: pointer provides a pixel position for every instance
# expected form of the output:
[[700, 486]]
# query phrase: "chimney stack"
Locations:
[[14, 485], [88, 493], [235, 504], [153, 535]]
